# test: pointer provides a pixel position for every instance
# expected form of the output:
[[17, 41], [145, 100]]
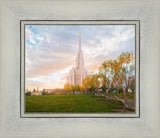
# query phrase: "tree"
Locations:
[[73, 88], [68, 87], [117, 75], [104, 88], [37, 89], [82, 89], [96, 82], [91, 83], [26, 90], [133, 84], [34, 90], [106, 75], [77, 88], [85, 84], [127, 66], [124, 71]]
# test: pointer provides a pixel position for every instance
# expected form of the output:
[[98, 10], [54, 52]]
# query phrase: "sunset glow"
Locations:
[[50, 50]]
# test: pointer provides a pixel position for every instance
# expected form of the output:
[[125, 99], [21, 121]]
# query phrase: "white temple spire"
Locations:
[[79, 72], [79, 41]]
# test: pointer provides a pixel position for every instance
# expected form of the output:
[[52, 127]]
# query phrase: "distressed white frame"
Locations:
[[13, 126]]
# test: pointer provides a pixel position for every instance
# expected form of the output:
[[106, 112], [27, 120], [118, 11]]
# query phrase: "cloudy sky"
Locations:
[[51, 50]]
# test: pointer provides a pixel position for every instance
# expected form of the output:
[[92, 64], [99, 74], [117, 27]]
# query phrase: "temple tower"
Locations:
[[78, 73]]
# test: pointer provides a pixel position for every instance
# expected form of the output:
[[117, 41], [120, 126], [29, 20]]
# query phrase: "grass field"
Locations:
[[121, 95], [70, 104]]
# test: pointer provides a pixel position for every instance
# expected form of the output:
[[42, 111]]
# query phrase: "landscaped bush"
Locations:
[[121, 90], [44, 93], [112, 89], [131, 95], [28, 93]]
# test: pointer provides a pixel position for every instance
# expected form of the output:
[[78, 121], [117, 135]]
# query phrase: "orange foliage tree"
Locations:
[[91, 83], [124, 69], [118, 72], [68, 87], [106, 74]]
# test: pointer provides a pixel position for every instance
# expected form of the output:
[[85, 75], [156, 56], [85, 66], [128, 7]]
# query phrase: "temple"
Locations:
[[78, 73]]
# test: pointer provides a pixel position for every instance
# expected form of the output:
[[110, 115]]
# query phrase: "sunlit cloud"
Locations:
[[51, 49]]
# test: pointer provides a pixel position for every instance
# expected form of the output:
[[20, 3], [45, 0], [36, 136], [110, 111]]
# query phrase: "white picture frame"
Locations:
[[12, 125]]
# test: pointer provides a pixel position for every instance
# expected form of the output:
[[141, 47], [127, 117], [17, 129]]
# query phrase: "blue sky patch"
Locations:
[[36, 42]]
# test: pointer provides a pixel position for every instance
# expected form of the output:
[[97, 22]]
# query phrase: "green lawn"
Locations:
[[70, 104], [130, 96]]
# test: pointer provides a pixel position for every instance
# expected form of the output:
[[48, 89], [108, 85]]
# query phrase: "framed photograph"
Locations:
[[79, 69], [102, 80]]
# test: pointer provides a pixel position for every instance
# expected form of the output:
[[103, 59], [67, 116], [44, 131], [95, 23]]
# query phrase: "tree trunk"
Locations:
[[107, 92], [124, 100]]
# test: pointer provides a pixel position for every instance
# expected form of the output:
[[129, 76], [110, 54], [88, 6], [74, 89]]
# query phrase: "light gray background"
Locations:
[[12, 11]]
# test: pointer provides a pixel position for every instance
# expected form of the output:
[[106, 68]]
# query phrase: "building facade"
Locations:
[[79, 72]]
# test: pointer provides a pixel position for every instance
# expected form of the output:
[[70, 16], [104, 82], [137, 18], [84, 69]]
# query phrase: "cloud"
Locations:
[[33, 37], [52, 49], [53, 80]]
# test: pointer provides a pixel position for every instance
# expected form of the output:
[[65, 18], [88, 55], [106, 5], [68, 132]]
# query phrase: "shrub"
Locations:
[[28, 93], [104, 88], [121, 90], [112, 89]]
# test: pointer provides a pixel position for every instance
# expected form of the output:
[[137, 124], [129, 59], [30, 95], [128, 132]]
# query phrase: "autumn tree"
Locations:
[[96, 82], [37, 89], [82, 89], [34, 90], [88, 83], [26, 90], [68, 87], [85, 84], [104, 88], [117, 71], [73, 88], [77, 88], [133, 84], [126, 61], [91, 83], [124, 70], [106, 75]]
